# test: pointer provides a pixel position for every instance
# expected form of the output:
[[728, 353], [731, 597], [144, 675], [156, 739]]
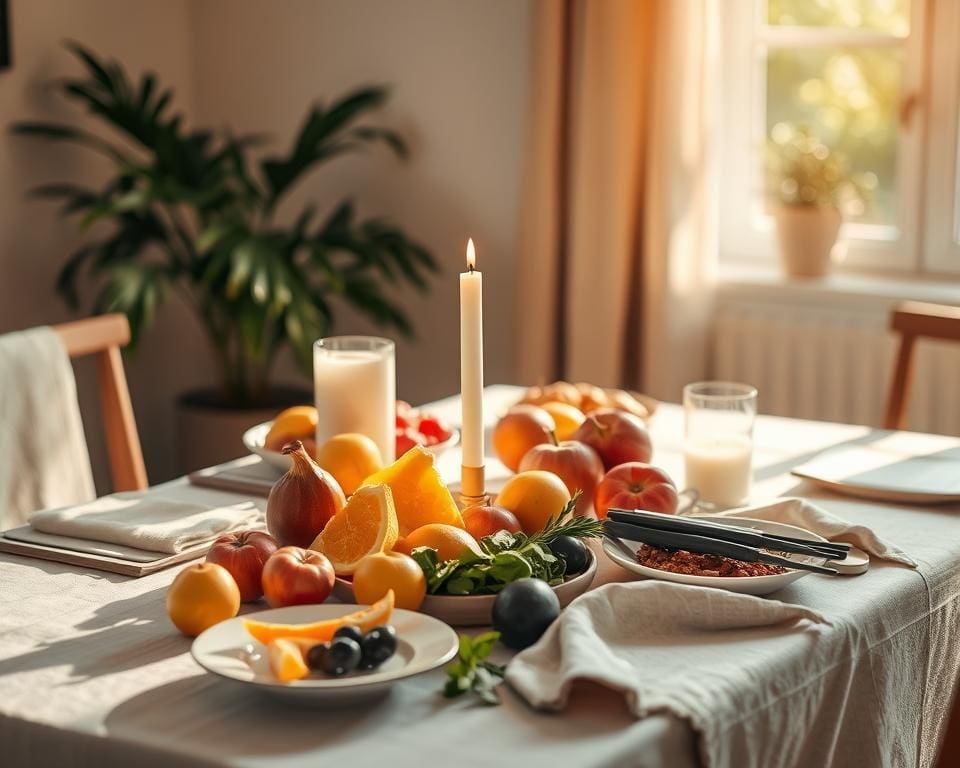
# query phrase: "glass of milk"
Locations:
[[355, 386], [718, 445]]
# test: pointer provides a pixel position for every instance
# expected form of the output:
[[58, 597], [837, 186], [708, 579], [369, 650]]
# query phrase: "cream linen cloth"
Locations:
[[43, 453], [146, 521], [802, 513]]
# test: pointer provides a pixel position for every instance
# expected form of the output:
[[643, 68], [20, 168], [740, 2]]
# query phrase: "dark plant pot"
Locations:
[[210, 432]]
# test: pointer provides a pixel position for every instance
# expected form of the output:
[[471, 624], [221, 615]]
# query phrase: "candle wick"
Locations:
[[471, 268]]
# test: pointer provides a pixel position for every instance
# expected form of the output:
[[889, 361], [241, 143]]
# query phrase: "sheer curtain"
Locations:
[[617, 245]]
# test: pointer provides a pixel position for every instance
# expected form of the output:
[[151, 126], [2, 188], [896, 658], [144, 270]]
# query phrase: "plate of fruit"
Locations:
[[325, 654], [414, 427]]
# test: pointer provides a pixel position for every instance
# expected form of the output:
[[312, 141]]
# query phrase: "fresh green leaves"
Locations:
[[190, 210], [506, 557], [472, 672]]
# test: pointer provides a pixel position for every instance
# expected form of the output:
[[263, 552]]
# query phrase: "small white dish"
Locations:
[[253, 440], [477, 610], [227, 650], [748, 585]]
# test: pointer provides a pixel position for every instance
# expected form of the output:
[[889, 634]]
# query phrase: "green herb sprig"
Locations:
[[472, 672], [505, 557]]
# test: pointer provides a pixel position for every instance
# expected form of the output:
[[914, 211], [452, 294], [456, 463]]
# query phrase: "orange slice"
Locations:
[[286, 660], [365, 526], [418, 492], [321, 631]]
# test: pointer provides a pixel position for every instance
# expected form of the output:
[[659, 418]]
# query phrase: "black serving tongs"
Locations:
[[734, 533], [705, 545]]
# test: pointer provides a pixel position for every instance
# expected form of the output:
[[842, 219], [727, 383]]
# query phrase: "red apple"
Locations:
[[616, 436], [577, 464], [244, 554], [295, 576], [487, 520], [636, 486]]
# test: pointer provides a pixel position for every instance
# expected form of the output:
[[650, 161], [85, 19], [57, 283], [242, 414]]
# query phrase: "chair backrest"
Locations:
[[912, 320], [103, 336]]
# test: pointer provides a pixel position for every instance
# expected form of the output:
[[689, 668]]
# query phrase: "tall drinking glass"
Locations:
[[355, 385], [718, 449]]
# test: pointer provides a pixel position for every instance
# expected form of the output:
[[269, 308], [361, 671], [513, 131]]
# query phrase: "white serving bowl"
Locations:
[[254, 438], [476, 610]]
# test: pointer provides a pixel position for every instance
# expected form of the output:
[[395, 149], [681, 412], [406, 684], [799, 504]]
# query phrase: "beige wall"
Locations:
[[458, 68]]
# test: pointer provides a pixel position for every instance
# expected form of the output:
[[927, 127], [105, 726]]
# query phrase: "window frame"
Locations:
[[747, 234]]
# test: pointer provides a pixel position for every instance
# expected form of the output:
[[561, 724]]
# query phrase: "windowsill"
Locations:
[[768, 282]]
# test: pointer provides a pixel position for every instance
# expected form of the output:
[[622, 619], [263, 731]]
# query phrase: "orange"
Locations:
[[201, 596], [534, 497], [367, 524], [521, 428], [567, 418], [448, 540], [322, 631], [418, 492], [350, 458], [292, 424], [378, 574], [286, 660]]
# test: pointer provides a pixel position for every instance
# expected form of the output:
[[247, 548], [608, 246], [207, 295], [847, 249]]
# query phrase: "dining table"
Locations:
[[92, 672]]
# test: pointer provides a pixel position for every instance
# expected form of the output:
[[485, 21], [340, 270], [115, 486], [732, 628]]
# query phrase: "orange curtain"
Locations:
[[617, 240]]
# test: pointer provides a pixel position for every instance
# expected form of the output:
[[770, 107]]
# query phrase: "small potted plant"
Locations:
[[189, 211], [812, 188]]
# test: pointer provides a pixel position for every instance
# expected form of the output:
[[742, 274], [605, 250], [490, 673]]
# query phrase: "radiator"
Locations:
[[832, 364]]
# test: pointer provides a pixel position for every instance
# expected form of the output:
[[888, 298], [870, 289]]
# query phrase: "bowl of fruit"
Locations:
[[414, 427]]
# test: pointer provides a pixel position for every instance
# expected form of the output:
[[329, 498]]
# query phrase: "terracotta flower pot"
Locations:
[[209, 432], [807, 234]]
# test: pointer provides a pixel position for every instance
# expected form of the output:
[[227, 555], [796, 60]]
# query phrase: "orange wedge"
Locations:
[[365, 526], [419, 494], [286, 660], [321, 631]]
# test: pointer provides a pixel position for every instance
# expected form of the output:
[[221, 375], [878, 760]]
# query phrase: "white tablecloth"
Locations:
[[92, 673]]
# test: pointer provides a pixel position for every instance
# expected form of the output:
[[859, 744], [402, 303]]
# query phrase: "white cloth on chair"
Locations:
[[43, 453]]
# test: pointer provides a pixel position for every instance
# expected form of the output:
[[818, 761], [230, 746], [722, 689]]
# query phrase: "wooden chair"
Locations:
[[912, 320], [103, 336]]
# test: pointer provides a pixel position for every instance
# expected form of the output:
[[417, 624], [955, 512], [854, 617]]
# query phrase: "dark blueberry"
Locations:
[[316, 655], [523, 610], [341, 657], [379, 645], [573, 552], [351, 631]]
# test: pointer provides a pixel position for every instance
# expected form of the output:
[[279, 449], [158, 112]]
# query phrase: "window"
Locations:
[[877, 81]]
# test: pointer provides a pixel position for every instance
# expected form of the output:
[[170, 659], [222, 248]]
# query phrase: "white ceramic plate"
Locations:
[[254, 438], [748, 585], [475, 610], [227, 650]]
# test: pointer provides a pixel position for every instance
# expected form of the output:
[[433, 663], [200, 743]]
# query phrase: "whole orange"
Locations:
[[201, 596], [534, 497], [448, 540], [566, 417], [383, 571], [523, 427], [351, 458]]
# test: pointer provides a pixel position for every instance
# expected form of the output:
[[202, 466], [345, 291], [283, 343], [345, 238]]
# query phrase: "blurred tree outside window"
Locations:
[[836, 66]]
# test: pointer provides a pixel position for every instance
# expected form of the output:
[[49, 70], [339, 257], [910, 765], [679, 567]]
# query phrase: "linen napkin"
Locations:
[[145, 521], [802, 513], [44, 453], [667, 647]]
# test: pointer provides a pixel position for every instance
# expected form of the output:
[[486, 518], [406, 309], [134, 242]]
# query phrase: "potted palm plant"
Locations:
[[811, 187], [188, 210]]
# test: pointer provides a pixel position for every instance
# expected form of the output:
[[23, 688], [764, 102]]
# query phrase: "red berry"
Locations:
[[431, 426], [406, 439], [402, 423]]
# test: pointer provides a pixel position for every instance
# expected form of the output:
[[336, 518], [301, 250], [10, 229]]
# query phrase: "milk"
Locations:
[[720, 469], [356, 392]]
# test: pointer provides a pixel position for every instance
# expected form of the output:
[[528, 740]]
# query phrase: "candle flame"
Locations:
[[471, 255]]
